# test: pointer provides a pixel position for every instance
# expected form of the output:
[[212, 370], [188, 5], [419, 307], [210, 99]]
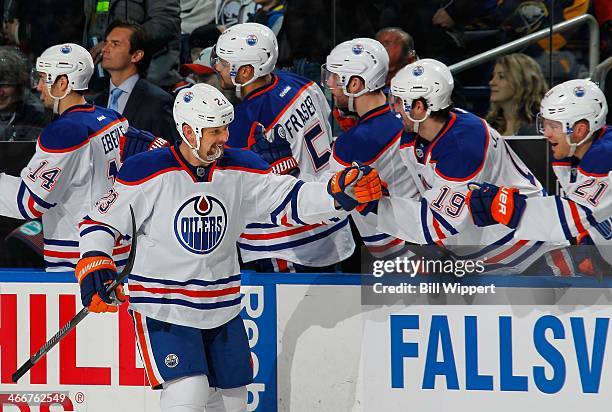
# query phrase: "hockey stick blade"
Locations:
[[72, 323]]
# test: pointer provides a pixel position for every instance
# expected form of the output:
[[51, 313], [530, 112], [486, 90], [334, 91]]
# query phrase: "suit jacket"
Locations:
[[160, 19], [148, 108]]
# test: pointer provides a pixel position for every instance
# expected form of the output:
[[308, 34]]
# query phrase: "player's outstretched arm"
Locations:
[[439, 214], [287, 201], [9, 204], [550, 218], [356, 187]]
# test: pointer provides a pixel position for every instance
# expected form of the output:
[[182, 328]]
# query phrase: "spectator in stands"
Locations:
[[22, 116], [34, 25], [126, 57], [200, 71], [202, 38], [400, 48], [159, 18], [270, 13], [517, 87], [231, 12], [194, 13]]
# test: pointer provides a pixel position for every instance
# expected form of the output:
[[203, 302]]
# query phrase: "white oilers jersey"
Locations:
[[295, 115], [188, 221], [375, 141], [586, 204], [76, 161], [466, 149]]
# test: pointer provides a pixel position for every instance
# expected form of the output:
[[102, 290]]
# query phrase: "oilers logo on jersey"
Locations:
[[200, 224]]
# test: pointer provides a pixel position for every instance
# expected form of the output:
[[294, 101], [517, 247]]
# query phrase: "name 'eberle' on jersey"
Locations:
[[110, 140]]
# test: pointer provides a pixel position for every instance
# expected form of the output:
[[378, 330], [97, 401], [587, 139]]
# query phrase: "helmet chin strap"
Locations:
[[56, 100], [352, 96], [240, 86], [209, 158], [416, 123], [573, 146]]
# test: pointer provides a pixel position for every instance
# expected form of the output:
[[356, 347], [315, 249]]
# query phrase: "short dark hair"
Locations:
[[442, 115], [204, 36], [139, 40]]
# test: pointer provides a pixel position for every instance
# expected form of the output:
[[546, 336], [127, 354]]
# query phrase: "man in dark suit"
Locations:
[[126, 57]]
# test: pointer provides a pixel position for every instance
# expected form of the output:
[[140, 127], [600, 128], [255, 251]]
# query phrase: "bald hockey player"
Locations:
[[445, 149], [572, 117], [191, 204], [285, 119]]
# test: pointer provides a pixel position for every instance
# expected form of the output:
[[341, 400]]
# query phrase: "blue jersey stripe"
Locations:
[[294, 243], [529, 252], [40, 201], [562, 218], [58, 242], [589, 215], [426, 233], [59, 264], [495, 245], [294, 204], [375, 238], [292, 193], [97, 228], [444, 223], [181, 302], [197, 282], [20, 202], [261, 226]]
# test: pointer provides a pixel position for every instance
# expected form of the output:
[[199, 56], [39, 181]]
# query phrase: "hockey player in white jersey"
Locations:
[[59, 182], [77, 157], [285, 119], [355, 72], [191, 203], [444, 149], [572, 117]]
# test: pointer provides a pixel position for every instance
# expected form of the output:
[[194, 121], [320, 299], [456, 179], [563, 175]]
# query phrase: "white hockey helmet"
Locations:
[[571, 101], [67, 59], [201, 106], [428, 79], [362, 57], [247, 44]]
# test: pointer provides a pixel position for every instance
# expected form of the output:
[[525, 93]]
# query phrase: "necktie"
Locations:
[[115, 94]]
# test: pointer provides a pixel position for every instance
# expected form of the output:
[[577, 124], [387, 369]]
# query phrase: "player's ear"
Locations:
[[189, 134], [61, 83], [245, 73], [581, 129], [355, 85]]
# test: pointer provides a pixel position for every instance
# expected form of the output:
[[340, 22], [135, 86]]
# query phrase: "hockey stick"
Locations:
[[72, 323]]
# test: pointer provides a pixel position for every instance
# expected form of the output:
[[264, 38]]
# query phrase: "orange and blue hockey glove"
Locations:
[[490, 204], [354, 186], [95, 271]]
